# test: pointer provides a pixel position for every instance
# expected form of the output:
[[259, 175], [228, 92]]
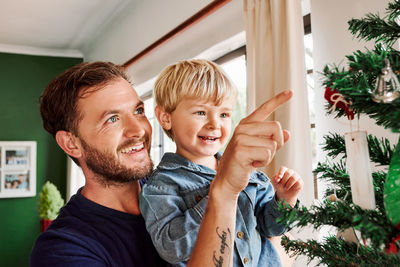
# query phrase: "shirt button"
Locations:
[[198, 198], [240, 235], [245, 260]]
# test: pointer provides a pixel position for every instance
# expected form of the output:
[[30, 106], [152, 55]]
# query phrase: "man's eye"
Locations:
[[201, 113], [112, 119], [139, 111]]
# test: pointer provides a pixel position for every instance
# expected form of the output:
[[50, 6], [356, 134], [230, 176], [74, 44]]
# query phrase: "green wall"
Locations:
[[22, 80]]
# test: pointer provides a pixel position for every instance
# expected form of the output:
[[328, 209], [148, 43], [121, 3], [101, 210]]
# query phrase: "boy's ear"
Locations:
[[164, 118], [69, 143]]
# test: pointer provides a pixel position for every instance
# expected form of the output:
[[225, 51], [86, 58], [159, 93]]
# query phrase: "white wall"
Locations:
[[332, 41], [142, 24], [146, 21]]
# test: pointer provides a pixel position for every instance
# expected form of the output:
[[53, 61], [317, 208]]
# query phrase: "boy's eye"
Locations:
[[225, 115], [201, 113], [139, 111], [112, 119]]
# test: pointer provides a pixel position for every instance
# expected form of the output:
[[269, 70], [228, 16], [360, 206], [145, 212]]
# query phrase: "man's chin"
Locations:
[[110, 169]]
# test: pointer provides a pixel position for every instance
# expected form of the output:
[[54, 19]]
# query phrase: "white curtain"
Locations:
[[275, 62]]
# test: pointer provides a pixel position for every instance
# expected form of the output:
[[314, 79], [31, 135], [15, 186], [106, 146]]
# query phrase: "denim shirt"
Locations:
[[173, 202]]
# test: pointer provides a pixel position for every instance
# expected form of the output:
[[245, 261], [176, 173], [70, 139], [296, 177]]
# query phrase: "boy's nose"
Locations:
[[212, 124]]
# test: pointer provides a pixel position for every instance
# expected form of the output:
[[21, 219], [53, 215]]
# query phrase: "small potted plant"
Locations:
[[50, 203]]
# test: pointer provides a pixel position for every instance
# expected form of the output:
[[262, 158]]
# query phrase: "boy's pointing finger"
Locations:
[[262, 112]]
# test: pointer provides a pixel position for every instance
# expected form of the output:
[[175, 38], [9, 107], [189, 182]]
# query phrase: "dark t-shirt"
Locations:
[[88, 234]]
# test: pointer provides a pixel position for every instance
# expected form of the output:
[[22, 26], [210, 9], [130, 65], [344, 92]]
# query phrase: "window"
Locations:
[[234, 64], [308, 45], [156, 150], [160, 142]]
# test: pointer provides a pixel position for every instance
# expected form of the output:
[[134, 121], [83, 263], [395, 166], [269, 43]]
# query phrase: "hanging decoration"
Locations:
[[359, 169], [387, 86], [338, 101], [392, 248], [392, 187]]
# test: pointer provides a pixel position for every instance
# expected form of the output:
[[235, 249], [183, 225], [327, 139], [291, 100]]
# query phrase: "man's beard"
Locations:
[[111, 172]]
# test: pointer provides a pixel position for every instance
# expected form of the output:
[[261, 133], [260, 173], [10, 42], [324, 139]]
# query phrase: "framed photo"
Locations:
[[17, 169]]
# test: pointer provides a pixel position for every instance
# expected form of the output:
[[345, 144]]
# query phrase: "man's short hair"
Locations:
[[195, 78], [59, 101]]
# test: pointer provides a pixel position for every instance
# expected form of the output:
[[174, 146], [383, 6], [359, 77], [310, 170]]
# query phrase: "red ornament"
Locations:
[[337, 100], [392, 249]]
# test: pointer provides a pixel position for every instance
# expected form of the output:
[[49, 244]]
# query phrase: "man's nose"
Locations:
[[134, 127]]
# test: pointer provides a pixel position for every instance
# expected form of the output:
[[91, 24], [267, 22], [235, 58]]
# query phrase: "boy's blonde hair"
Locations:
[[195, 78]]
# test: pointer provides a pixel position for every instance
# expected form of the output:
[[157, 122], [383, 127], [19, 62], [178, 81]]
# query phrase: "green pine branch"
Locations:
[[335, 252], [393, 10], [372, 26], [334, 144], [358, 83], [378, 179], [380, 150], [336, 175], [372, 224]]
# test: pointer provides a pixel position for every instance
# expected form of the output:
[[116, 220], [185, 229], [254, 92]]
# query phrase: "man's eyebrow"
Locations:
[[139, 103], [116, 111]]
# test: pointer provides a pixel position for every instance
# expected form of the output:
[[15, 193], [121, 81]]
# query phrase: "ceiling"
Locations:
[[55, 24]]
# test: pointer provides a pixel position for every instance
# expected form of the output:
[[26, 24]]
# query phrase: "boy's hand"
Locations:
[[287, 184], [253, 144]]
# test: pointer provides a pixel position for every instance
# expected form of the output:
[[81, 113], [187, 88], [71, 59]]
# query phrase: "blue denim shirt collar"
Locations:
[[171, 161]]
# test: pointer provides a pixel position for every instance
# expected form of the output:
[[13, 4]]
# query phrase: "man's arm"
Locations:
[[253, 145]]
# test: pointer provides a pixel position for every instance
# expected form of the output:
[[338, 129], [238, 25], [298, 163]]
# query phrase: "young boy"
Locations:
[[195, 100]]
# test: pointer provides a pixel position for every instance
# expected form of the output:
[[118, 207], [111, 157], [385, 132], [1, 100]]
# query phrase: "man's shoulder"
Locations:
[[64, 244], [67, 237], [94, 236]]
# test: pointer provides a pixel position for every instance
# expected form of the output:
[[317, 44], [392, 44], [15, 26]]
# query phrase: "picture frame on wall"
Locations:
[[17, 169]]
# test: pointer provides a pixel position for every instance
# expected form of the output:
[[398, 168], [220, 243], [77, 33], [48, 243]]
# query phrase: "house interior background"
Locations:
[[40, 39]]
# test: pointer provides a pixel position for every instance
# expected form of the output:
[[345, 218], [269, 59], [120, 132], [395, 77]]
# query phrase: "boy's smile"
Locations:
[[208, 139], [201, 128]]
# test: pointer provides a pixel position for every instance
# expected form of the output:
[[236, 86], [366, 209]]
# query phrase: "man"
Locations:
[[98, 119]]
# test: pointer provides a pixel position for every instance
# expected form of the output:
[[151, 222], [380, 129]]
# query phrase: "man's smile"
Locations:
[[134, 148]]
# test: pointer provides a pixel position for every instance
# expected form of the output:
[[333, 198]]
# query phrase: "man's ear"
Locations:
[[69, 143], [164, 118]]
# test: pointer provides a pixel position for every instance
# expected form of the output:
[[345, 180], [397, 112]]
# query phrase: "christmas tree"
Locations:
[[368, 225]]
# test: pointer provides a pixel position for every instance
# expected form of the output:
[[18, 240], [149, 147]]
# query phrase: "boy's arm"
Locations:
[[287, 184], [266, 209], [252, 145], [172, 226], [215, 241]]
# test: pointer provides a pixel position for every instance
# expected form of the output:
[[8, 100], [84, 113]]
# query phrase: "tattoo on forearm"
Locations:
[[225, 236]]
